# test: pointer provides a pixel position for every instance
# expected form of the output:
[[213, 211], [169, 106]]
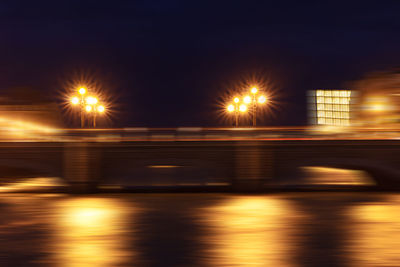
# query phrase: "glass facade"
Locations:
[[330, 107]]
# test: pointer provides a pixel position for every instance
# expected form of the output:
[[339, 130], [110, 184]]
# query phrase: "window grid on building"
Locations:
[[332, 107]]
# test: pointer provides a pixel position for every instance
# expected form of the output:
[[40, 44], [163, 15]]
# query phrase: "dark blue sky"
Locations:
[[167, 62]]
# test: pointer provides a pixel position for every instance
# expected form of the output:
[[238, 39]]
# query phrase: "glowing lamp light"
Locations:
[[262, 99], [82, 90], [247, 99], [88, 108], [75, 100], [101, 109], [231, 108], [254, 90], [242, 108], [91, 100], [236, 100]]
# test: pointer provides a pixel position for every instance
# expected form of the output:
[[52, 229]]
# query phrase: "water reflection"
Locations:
[[283, 229], [376, 233], [251, 230], [92, 232]]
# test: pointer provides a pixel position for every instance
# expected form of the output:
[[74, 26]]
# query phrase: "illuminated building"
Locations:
[[26, 105], [379, 99], [330, 107]]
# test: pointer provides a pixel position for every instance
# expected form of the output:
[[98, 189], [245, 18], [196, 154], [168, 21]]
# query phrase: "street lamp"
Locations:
[[101, 109], [247, 99], [236, 108], [242, 108], [82, 92], [81, 101], [91, 100], [254, 100], [75, 100], [262, 99], [88, 105], [97, 109]]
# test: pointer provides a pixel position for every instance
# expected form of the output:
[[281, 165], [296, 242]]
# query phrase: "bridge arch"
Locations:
[[10, 168], [383, 174]]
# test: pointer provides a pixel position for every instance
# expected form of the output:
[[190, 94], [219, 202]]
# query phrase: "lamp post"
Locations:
[[236, 108], [81, 101], [236, 100], [254, 100], [93, 108], [87, 105], [99, 109], [82, 92], [92, 101]]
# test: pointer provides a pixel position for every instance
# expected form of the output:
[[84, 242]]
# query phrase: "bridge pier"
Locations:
[[253, 167], [81, 166]]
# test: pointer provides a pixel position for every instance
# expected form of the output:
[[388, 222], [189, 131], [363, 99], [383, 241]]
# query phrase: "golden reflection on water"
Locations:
[[92, 232], [251, 230], [376, 233]]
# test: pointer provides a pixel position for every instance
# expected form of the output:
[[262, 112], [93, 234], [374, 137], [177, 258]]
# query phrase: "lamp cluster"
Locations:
[[248, 102], [88, 104]]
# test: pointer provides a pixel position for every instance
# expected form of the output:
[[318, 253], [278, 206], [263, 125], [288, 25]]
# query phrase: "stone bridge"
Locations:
[[244, 164]]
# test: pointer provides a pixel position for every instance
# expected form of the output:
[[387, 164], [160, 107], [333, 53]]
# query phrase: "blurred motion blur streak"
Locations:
[[252, 230], [376, 230], [333, 176], [33, 184], [92, 232]]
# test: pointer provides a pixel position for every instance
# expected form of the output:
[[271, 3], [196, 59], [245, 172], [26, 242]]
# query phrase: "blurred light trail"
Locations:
[[33, 184], [13, 124]]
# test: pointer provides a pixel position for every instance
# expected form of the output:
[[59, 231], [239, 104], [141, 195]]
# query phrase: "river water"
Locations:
[[276, 229]]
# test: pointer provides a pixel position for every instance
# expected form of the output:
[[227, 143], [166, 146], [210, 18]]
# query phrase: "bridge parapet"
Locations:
[[247, 165]]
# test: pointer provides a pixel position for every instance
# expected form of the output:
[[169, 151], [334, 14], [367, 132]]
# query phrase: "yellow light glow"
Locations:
[[377, 107], [82, 90], [242, 108], [91, 100], [231, 108], [254, 90], [75, 100], [101, 109], [88, 108], [247, 99], [91, 232], [236, 100], [374, 226], [262, 99], [259, 223]]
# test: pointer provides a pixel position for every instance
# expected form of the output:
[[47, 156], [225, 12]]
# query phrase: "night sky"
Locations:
[[166, 63]]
